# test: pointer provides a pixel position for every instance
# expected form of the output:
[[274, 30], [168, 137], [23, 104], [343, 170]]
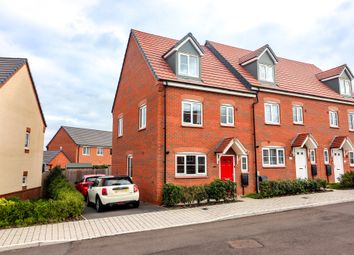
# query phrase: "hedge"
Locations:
[[347, 180], [64, 203], [290, 187], [216, 190]]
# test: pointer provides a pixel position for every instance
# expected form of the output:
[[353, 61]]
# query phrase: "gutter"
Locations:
[[165, 84], [255, 143]]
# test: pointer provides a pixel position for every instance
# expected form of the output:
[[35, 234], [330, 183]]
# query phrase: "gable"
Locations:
[[265, 58], [345, 75]]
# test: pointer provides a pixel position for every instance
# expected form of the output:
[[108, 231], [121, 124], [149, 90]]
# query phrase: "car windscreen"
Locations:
[[91, 179], [116, 181]]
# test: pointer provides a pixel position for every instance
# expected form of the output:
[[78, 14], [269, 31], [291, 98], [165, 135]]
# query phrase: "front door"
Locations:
[[301, 163], [338, 164], [227, 168]]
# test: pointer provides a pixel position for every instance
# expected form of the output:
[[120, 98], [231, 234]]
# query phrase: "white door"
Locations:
[[338, 164], [301, 163]]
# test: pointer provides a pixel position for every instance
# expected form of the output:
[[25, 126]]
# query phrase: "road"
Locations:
[[321, 230]]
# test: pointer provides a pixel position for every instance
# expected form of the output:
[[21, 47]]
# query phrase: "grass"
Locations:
[[253, 195], [334, 186]]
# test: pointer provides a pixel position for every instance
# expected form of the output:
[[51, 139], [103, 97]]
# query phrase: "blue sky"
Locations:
[[76, 48]]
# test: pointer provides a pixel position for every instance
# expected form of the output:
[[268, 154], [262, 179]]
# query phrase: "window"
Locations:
[[345, 87], [244, 163], [86, 150], [189, 164], [326, 156], [192, 113], [27, 140], [130, 165], [272, 113], [312, 156], [297, 115], [24, 180], [110, 151], [351, 158], [188, 65], [99, 151], [333, 119], [142, 117], [351, 121], [120, 127], [266, 73], [227, 115], [273, 157]]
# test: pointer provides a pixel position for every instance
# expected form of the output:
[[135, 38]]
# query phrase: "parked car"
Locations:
[[85, 182], [113, 190]]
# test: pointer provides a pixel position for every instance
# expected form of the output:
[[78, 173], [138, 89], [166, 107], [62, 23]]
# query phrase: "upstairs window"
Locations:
[[345, 87], [227, 115], [142, 117], [272, 115], [120, 127], [27, 140], [188, 65], [333, 119], [297, 115], [351, 121], [192, 113], [266, 73], [86, 151], [99, 151]]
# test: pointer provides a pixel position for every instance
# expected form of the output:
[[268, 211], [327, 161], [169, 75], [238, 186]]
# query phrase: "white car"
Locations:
[[112, 190]]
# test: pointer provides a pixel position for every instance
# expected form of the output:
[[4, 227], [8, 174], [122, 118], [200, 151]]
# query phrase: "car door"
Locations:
[[93, 191]]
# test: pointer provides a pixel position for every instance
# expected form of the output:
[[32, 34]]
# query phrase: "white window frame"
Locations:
[[277, 156], [27, 140], [142, 117], [98, 149], [351, 158], [271, 121], [190, 124], [24, 180], [331, 123], [227, 108], [130, 165], [189, 65], [351, 121], [345, 87], [120, 126], [244, 157], [268, 72], [326, 156], [312, 156], [87, 153], [197, 155], [297, 113]]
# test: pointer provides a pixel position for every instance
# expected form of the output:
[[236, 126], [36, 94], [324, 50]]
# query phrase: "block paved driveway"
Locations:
[[120, 210]]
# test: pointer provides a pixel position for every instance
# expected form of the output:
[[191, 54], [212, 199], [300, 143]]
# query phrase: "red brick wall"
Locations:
[[62, 139], [137, 86], [25, 194], [95, 159], [60, 160], [316, 121]]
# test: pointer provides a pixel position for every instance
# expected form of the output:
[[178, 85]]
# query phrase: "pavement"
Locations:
[[41, 235]]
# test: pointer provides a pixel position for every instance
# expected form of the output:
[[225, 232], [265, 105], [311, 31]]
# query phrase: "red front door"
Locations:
[[227, 168]]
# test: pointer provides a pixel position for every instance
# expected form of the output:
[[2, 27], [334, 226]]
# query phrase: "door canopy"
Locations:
[[342, 142], [305, 139], [231, 142]]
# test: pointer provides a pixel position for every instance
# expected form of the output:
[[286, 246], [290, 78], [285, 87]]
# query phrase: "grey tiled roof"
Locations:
[[78, 165], [48, 156], [90, 137], [8, 66]]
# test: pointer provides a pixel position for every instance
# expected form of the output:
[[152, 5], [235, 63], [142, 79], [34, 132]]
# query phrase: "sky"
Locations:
[[75, 48]]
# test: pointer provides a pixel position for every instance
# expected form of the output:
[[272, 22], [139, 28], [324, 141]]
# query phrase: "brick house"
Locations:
[[187, 114], [21, 132], [52, 159], [83, 145]]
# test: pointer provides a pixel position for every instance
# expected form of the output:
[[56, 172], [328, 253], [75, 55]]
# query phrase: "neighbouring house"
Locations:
[[187, 114], [83, 145], [52, 159], [21, 132]]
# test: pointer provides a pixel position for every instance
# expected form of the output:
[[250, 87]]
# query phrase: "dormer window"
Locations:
[[188, 65], [266, 73], [345, 87]]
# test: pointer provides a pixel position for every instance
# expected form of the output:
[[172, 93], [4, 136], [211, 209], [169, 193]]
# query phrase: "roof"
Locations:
[[89, 137], [299, 140], [337, 141], [78, 165], [291, 75], [8, 66], [334, 72], [256, 54], [304, 139], [223, 144], [213, 72], [48, 156], [189, 36]]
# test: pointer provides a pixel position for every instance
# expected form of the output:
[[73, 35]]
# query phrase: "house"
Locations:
[[52, 159], [83, 145], [186, 114], [22, 131]]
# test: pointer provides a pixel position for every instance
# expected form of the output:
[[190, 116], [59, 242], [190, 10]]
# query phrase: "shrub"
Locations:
[[290, 187], [172, 194], [347, 180]]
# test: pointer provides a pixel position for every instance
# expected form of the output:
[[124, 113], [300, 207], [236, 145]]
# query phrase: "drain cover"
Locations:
[[305, 197], [246, 243], [205, 209]]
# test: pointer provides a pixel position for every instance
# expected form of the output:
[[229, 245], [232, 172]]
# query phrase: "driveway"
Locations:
[[119, 210]]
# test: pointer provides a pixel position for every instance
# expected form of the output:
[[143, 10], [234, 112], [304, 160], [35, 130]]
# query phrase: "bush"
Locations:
[[216, 190], [290, 187], [64, 203], [347, 180]]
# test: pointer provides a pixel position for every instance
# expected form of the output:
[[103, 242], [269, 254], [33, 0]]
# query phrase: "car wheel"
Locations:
[[99, 205], [88, 203], [136, 204]]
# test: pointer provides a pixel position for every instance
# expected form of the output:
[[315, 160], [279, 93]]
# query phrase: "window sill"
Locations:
[[141, 129], [269, 167], [85, 154], [191, 177], [298, 124], [120, 136], [227, 126], [272, 124], [351, 130], [99, 155], [351, 165], [334, 127], [192, 126]]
